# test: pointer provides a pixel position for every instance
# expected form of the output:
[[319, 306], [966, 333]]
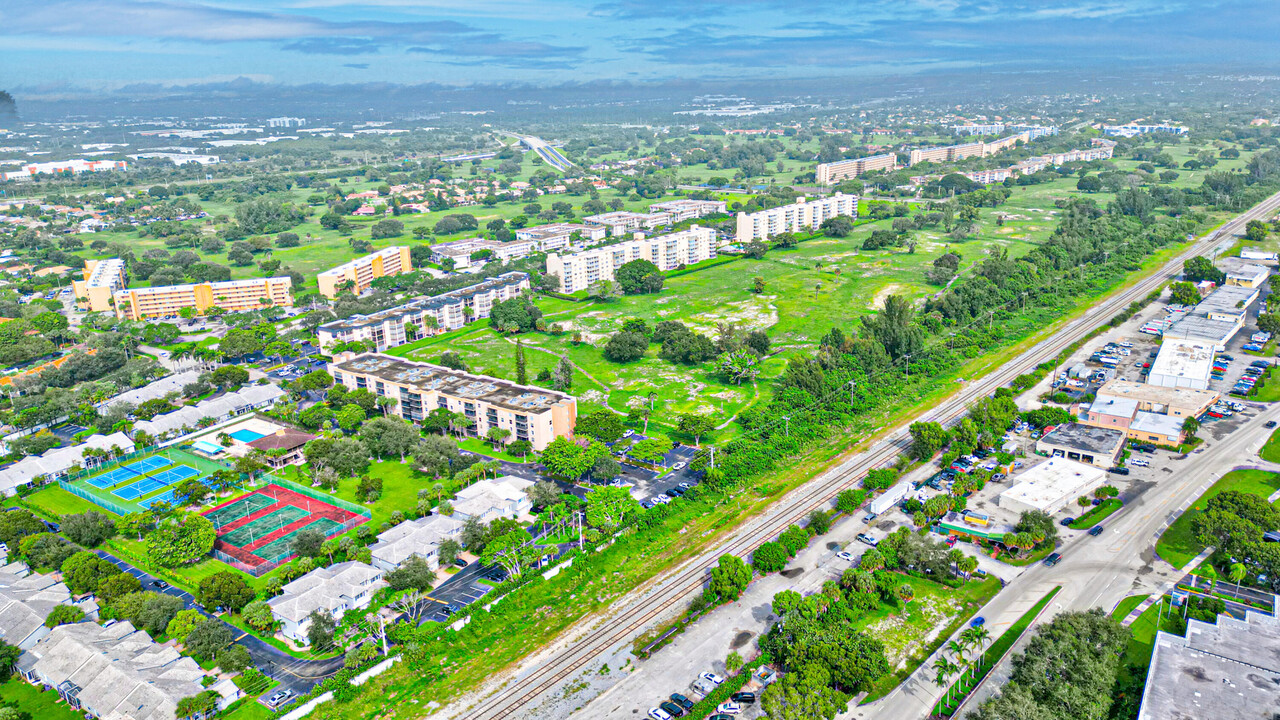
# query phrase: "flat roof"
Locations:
[[1157, 424], [1118, 406], [384, 252], [455, 383], [1053, 481], [1228, 300], [1084, 437], [424, 302], [1238, 267], [1225, 671], [1199, 327], [1156, 394], [1184, 358]]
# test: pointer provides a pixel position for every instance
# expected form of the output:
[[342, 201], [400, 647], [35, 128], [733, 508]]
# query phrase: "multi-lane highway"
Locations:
[[545, 671]]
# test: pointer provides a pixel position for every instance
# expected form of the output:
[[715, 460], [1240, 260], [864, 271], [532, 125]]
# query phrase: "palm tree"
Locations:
[[439, 488], [1237, 573], [385, 403], [944, 670]]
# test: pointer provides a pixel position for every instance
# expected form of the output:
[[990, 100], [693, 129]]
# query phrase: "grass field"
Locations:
[[39, 704], [1096, 514], [1271, 450], [1177, 545], [58, 502]]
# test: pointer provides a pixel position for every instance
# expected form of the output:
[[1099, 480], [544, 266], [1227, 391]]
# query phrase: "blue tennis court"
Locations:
[[147, 464], [138, 489], [163, 497], [175, 474], [115, 477]]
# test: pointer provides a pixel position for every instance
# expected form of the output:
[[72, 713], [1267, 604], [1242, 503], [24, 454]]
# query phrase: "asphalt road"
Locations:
[[540, 674]]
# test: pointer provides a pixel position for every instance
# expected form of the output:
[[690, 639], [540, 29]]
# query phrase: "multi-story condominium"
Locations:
[[798, 216], [233, 295], [65, 167], [834, 172], [978, 129], [361, 272], [561, 235], [526, 413], [953, 153], [987, 177], [623, 222], [460, 251], [102, 279], [1133, 129], [578, 271], [449, 311], [681, 210], [1035, 131]]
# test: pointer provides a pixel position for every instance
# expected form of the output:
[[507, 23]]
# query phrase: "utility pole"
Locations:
[[851, 398], [713, 456], [382, 623], [908, 357], [786, 419]]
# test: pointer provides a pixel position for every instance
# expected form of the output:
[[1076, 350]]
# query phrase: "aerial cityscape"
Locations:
[[899, 360]]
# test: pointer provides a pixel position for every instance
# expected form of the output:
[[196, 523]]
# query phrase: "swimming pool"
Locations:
[[246, 436]]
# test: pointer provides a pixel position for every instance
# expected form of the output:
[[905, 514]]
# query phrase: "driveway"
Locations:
[[293, 673]]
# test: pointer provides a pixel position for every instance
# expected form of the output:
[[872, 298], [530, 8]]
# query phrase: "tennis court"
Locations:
[[147, 464], [245, 535], [256, 531], [162, 497], [176, 474], [138, 489], [280, 549], [115, 477], [239, 508]]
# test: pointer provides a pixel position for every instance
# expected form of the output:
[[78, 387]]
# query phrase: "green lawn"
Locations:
[[1126, 606], [400, 486], [1271, 451], [1177, 546], [1096, 514], [482, 447], [39, 704], [57, 502]]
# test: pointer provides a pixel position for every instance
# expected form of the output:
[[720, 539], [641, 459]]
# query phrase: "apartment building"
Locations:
[[232, 295], [450, 311], [833, 172], [681, 210], [987, 177], [1035, 132], [460, 251], [1133, 129], [623, 222], [953, 153], [578, 271], [978, 129], [361, 272], [102, 279], [803, 214], [526, 413], [557, 236]]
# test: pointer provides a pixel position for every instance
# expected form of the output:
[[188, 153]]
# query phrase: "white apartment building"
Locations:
[[681, 210], [460, 251], [560, 235], [1035, 132], [623, 222], [578, 271], [102, 279], [389, 328], [978, 129], [800, 215], [1133, 129], [833, 172], [362, 271]]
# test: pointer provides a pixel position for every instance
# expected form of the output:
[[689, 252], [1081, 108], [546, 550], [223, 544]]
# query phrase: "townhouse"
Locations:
[[333, 590], [421, 537]]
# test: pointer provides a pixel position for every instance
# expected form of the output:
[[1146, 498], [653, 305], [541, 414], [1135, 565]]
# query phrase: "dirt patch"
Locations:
[[877, 303], [791, 573], [741, 639]]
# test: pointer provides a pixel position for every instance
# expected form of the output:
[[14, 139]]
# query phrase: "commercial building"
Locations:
[[1183, 363], [1146, 412], [578, 271], [1133, 129], [623, 222], [333, 590], [1095, 446], [1260, 257], [562, 235], [102, 280], [681, 210], [430, 315], [527, 413], [362, 271], [801, 215], [1243, 273], [953, 153], [461, 252], [421, 537], [282, 447], [116, 672], [1223, 670], [64, 167], [833, 172], [166, 301], [1049, 486], [489, 500]]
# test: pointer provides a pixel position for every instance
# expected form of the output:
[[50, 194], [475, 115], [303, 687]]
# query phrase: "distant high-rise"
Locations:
[[8, 108]]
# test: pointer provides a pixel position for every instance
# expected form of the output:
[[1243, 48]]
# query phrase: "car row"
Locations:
[[677, 705]]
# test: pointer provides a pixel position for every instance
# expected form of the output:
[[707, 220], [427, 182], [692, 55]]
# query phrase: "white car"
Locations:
[[1139, 462], [661, 499], [845, 555], [729, 708], [659, 714], [712, 677], [628, 433], [678, 466]]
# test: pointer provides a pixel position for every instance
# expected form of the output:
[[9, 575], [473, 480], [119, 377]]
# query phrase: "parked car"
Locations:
[[161, 585], [279, 698], [745, 698], [1119, 470], [681, 700], [845, 555], [1096, 530], [672, 709], [678, 466], [712, 677], [1064, 522], [460, 562], [729, 707], [870, 518], [1139, 462], [659, 714], [1270, 424], [867, 539], [978, 621], [1053, 559]]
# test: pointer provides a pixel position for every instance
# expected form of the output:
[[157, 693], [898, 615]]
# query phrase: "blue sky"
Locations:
[[109, 44]]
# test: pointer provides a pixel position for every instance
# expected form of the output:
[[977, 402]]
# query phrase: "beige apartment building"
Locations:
[[102, 279], [685, 209], [361, 272], [953, 153], [578, 271], [234, 295], [833, 172], [799, 216], [526, 413]]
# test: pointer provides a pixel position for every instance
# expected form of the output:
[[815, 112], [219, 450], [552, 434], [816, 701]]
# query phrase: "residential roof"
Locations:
[[416, 305], [414, 537], [26, 599], [341, 270], [282, 439], [1097, 440], [156, 389], [478, 499], [1226, 671], [434, 378], [115, 668], [59, 460], [324, 589], [222, 406]]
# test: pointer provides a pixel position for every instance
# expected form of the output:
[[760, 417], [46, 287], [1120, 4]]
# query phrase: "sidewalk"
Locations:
[[1165, 588]]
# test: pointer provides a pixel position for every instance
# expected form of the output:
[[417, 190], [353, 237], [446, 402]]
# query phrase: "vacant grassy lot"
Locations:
[[1177, 545]]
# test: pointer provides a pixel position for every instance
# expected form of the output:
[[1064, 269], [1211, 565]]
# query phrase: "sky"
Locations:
[[114, 44]]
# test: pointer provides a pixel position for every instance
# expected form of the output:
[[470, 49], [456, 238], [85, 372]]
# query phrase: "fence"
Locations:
[[322, 497], [114, 462], [95, 499]]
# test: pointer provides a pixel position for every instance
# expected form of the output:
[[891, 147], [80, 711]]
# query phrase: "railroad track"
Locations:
[[522, 690]]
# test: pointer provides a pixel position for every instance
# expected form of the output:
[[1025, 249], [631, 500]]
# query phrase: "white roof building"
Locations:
[[1051, 485], [420, 537], [56, 462], [333, 590], [1183, 363], [219, 408], [488, 500], [151, 391]]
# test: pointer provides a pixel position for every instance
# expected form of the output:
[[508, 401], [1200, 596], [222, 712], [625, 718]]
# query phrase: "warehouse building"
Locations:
[[1095, 446], [1051, 485], [1183, 364]]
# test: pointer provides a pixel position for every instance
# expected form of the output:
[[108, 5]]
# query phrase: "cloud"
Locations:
[[356, 66], [494, 50], [333, 46]]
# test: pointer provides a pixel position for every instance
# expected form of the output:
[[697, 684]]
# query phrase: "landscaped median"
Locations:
[[960, 690], [1096, 514]]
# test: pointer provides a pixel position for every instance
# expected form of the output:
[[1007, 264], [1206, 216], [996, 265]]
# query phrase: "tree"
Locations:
[[1201, 268], [258, 615], [1256, 231], [117, 586], [1184, 293], [625, 347], [838, 226], [207, 638], [1089, 184], [9, 655], [449, 551], [755, 249], [652, 449], [563, 375], [84, 571], [63, 615], [233, 659], [928, 439], [151, 611], [769, 557], [225, 589], [514, 551], [18, 523], [638, 276], [803, 695], [320, 630], [1190, 427], [605, 468], [389, 437], [696, 425], [414, 573], [203, 704], [608, 507], [521, 372], [183, 623], [180, 540], [729, 578], [603, 425], [386, 229], [738, 366], [350, 416]]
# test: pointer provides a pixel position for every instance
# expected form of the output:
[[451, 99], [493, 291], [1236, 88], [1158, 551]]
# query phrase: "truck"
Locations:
[[889, 498]]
